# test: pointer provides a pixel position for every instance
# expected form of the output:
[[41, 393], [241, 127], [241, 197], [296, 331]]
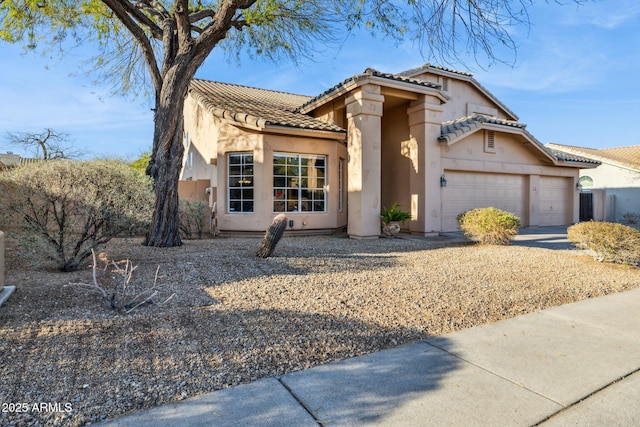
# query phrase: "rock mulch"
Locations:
[[68, 359]]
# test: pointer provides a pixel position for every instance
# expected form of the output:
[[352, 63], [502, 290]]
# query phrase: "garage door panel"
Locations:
[[555, 196], [468, 190]]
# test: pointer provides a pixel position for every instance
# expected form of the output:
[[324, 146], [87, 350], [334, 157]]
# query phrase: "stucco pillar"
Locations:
[[364, 119], [425, 117]]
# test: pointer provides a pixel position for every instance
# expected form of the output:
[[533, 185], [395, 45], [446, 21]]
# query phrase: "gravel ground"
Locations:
[[69, 359]]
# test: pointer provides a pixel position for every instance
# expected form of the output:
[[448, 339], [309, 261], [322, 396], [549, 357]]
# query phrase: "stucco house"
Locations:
[[432, 139], [610, 191]]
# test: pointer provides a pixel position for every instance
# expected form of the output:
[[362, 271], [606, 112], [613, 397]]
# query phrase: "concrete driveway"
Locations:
[[551, 237]]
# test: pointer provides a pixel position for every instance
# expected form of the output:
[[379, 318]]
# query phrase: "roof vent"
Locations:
[[489, 141]]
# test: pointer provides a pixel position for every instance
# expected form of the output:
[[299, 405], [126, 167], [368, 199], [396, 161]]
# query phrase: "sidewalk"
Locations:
[[577, 364]]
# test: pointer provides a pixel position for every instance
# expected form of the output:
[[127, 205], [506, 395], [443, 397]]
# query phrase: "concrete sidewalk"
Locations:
[[577, 364]]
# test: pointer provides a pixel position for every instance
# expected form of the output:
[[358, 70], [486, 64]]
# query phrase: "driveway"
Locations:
[[549, 237]]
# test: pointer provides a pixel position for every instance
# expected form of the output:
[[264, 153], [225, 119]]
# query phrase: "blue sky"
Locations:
[[575, 81]]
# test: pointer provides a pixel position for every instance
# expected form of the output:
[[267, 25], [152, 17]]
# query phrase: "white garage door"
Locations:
[[468, 190], [556, 201]]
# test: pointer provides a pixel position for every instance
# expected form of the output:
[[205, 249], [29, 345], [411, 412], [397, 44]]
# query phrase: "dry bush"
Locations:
[[194, 217], [611, 242], [489, 225], [67, 208], [114, 283]]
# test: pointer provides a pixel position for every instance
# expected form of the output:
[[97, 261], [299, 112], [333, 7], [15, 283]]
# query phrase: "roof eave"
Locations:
[[312, 133], [363, 79]]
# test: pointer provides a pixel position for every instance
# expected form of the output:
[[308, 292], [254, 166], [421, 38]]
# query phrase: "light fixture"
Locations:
[[443, 181], [578, 186]]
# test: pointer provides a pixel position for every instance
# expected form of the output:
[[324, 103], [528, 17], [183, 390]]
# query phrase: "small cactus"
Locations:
[[272, 236]]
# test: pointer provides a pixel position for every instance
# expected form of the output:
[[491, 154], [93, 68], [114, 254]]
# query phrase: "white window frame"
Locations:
[[237, 173], [288, 179]]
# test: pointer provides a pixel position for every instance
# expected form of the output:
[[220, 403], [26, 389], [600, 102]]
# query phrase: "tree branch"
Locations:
[[122, 8]]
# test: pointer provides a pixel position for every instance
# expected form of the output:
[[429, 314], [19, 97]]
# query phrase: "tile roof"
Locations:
[[455, 129], [628, 157], [430, 67], [256, 107], [369, 72]]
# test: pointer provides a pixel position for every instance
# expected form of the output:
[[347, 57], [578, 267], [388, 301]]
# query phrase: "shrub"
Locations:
[[489, 225], [67, 208], [194, 217], [611, 242], [631, 218], [394, 214]]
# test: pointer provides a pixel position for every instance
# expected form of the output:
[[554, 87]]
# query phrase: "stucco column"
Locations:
[[425, 117], [364, 119]]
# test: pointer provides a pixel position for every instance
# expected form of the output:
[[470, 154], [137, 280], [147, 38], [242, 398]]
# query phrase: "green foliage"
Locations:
[[140, 164], [67, 208], [489, 225], [394, 214], [611, 242], [194, 217]]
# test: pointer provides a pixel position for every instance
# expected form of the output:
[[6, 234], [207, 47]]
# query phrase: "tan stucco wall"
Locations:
[[202, 129], [263, 146], [465, 99], [396, 160]]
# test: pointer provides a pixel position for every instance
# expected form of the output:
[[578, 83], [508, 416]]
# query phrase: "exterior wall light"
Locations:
[[443, 181], [578, 186]]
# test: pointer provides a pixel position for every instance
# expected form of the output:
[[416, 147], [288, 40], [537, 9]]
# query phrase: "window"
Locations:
[[240, 186], [299, 183], [586, 182]]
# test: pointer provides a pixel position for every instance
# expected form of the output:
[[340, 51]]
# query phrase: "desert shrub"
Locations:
[[489, 225], [611, 242], [194, 217], [631, 218], [66, 208]]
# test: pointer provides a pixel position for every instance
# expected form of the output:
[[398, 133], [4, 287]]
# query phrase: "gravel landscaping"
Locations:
[[68, 359]]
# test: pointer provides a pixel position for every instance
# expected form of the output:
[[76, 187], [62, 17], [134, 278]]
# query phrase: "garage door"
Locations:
[[467, 190], [556, 200]]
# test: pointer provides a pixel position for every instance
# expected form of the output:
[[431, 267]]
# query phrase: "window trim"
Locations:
[[242, 176]]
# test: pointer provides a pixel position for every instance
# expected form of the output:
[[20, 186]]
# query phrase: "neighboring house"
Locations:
[[10, 160], [432, 139], [612, 190]]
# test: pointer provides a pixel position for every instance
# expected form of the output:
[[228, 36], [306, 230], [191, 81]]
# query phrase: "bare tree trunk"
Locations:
[[165, 166]]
